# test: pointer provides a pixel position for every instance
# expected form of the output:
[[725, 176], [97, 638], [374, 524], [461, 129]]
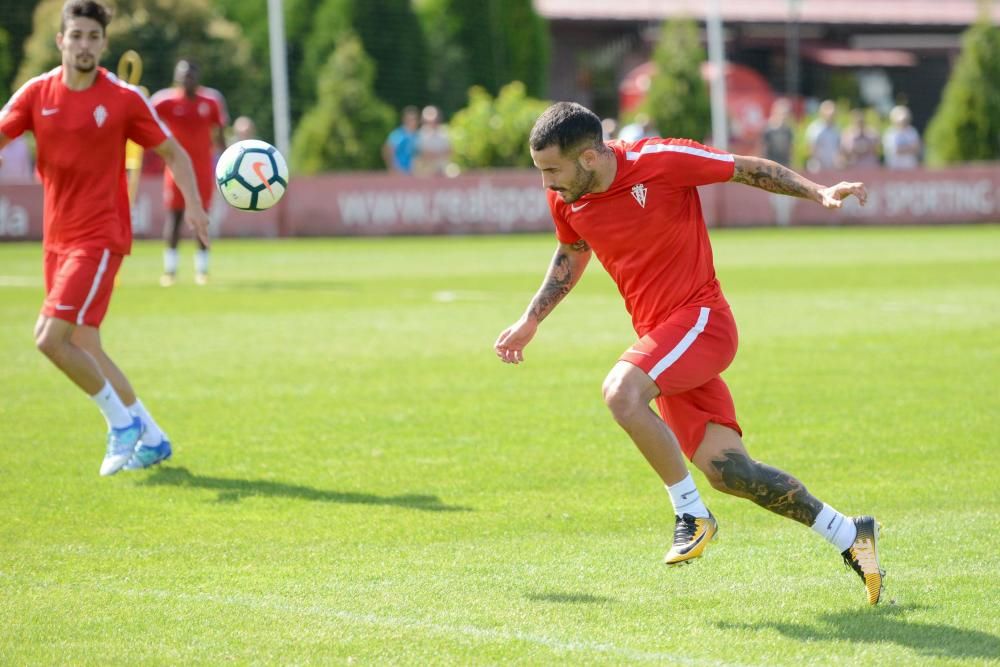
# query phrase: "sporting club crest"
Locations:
[[100, 115], [639, 192]]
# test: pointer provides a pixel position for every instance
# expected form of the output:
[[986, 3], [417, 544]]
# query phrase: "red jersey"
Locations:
[[80, 137], [648, 230], [192, 120]]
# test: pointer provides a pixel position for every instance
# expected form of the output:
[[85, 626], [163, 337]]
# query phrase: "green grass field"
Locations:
[[358, 480]]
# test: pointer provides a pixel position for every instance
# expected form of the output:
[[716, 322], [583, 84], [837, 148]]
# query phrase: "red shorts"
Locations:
[[684, 356], [173, 200], [78, 284]]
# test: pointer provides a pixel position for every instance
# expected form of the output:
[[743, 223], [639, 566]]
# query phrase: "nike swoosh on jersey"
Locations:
[[49, 112], [575, 208]]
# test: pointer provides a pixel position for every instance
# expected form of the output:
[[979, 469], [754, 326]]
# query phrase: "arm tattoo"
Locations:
[[769, 487], [771, 176], [558, 282]]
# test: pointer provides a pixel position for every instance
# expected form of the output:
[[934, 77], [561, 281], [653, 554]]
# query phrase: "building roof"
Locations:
[[886, 12]]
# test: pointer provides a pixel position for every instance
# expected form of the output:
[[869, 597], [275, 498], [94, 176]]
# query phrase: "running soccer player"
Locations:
[[635, 205], [81, 116], [196, 117]]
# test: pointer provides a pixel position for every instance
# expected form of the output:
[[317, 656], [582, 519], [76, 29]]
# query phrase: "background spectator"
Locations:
[[901, 141], [433, 144], [640, 128], [400, 147], [244, 128], [779, 135], [823, 137], [859, 142]]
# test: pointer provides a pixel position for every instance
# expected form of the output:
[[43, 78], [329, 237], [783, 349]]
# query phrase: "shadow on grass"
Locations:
[[234, 490], [886, 624], [569, 598]]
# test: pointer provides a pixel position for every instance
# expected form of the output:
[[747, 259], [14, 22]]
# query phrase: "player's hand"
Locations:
[[834, 196], [197, 218], [511, 343]]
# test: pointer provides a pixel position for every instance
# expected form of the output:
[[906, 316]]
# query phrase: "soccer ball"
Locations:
[[251, 175]]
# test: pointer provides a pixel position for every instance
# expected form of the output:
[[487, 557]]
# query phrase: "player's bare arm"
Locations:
[[773, 177], [568, 264], [180, 166]]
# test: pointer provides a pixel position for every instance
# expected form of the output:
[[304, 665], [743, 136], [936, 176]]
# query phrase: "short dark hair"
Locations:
[[88, 9], [567, 124]]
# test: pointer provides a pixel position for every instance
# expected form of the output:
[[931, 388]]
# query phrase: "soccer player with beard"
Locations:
[[81, 116], [635, 205]]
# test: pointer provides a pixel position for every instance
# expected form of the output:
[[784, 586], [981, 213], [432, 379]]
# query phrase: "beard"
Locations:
[[84, 63], [583, 181]]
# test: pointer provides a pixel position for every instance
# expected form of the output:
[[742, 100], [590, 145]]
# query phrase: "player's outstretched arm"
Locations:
[[773, 177], [567, 266], [180, 166]]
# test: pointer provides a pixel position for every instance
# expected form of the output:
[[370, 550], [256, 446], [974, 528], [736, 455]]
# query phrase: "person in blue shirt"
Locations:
[[401, 146]]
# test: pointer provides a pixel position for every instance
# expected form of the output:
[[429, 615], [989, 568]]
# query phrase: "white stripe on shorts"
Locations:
[[101, 268], [681, 347]]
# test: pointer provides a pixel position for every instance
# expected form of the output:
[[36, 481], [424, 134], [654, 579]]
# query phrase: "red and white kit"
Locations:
[[192, 120], [648, 231], [81, 137]]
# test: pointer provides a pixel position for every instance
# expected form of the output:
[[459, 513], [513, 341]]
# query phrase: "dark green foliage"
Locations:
[[6, 59], [391, 34], [448, 76], [300, 19], [502, 40], [162, 31], [966, 125], [494, 132], [347, 126], [15, 23], [678, 100]]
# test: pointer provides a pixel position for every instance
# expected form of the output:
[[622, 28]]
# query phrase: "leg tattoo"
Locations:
[[769, 487]]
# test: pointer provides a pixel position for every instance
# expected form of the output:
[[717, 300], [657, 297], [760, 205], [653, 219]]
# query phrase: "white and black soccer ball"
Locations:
[[252, 175]]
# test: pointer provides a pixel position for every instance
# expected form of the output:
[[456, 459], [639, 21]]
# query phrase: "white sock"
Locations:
[[684, 495], [201, 261], [153, 435], [170, 260], [837, 529], [112, 407]]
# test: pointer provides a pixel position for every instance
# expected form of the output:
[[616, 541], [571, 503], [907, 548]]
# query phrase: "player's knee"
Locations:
[[620, 396], [49, 345]]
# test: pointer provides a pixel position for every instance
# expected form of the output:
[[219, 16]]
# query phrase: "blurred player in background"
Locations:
[[197, 117], [635, 204], [244, 128], [81, 116]]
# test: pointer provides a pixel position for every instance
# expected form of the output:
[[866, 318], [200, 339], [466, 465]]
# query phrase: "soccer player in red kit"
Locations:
[[81, 116], [635, 205], [196, 117]]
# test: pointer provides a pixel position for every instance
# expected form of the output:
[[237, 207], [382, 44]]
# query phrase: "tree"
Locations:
[[502, 41], [390, 34], [348, 125], [966, 125], [678, 101], [6, 59], [448, 76], [16, 19], [494, 132], [161, 31]]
